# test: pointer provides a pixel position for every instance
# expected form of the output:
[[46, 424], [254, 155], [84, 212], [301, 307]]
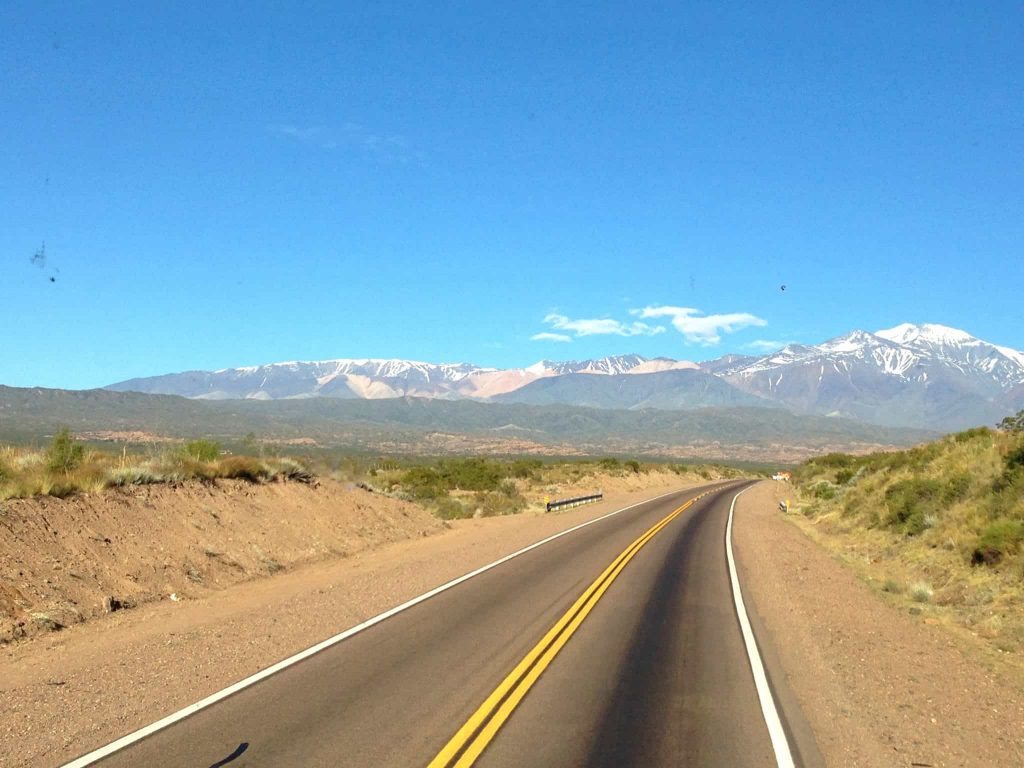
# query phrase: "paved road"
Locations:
[[628, 647]]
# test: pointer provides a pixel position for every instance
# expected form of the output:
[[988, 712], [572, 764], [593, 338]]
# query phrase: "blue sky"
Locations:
[[229, 184]]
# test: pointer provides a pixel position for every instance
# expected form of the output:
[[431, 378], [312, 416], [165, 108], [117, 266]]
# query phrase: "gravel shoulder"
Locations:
[[68, 692], [878, 685]]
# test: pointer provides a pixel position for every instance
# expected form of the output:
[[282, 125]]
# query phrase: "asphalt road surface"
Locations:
[[615, 645]]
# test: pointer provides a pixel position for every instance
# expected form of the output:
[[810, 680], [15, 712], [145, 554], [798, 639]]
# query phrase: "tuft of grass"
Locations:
[[921, 592], [892, 587], [243, 468], [202, 450]]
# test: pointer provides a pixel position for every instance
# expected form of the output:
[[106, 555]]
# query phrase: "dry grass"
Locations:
[[26, 472], [941, 525]]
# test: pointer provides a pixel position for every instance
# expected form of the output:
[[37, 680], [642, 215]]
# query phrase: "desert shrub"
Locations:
[[448, 508], [525, 468], [64, 454], [202, 450], [244, 468], [494, 504], [972, 434], [290, 469], [1014, 459], [958, 487], [424, 483], [908, 501], [508, 489], [833, 460], [844, 476], [609, 463], [633, 466], [823, 490], [997, 540]]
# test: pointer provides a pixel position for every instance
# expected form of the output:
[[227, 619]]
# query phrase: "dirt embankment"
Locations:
[[63, 561]]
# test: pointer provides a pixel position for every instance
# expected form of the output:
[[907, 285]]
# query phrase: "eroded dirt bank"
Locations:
[[62, 559], [878, 684]]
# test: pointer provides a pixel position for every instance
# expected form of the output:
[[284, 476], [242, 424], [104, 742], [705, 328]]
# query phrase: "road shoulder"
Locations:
[[878, 686]]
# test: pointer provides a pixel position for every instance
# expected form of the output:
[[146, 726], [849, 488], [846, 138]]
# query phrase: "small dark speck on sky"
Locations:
[[782, 288], [39, 260], [39, 257]]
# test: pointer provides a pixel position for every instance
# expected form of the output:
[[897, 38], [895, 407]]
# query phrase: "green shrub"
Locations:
[[633, 466], [958, 487], [998, 540], [843, 476], [833, 460], [525, 468], [202, 450], [64, 454], [908, 501], [1015, 457], [972, 434], [823, 490]]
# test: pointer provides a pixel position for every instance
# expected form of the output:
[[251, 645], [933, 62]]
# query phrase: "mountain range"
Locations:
[[922, 376]]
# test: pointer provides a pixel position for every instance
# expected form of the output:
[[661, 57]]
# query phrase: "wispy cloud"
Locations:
[[698, 328], [297, 132], [389, 147], [546, 336], [766, 345], [600, 327]]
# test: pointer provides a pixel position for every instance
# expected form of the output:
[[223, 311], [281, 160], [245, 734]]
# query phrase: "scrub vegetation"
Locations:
[[68, 466], [941, 523], [449, 487], [485, 487]]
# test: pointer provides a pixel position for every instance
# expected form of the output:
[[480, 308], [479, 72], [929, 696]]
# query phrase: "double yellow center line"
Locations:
[[471, 739]]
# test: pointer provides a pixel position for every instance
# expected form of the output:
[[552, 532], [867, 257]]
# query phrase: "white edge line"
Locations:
[[213, 698], [783, 755]]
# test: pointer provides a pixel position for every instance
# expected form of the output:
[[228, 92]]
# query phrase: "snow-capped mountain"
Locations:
[[363, 378], [376, 379], [921, 375], [926, 375], [609, 366]]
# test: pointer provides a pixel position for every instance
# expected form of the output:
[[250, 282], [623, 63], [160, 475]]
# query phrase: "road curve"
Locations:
[[615, 645]]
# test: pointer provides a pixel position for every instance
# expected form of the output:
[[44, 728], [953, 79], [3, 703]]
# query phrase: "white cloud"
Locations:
[[545, 336], [766, 345], [600, 327], [698, 328], [298, 132]]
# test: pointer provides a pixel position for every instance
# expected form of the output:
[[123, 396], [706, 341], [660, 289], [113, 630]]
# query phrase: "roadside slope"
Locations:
[[879, 686], [61, 558]]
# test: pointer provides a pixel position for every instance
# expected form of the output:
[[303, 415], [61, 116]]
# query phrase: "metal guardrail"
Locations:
[[565, 503]]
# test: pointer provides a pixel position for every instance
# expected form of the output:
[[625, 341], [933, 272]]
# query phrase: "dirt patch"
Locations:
[[879, 685], [63, 561]]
